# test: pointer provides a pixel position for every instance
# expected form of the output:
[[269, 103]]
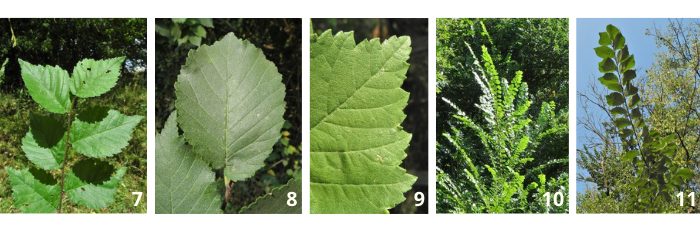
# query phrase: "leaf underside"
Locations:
[[103, 138], [230, 101], [276, 202], [184, 182], [356, 108]]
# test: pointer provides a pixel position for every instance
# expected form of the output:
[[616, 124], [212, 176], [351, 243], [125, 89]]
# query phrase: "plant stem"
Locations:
[[65, 154]]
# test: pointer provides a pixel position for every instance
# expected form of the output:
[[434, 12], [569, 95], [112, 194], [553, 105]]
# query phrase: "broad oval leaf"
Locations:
[[184, 182], [636, 114], [618, 111], [604, 52], [623, 54], [104, 138], [615, 99], [630, 155], [685, 173], [93, 78], [612, 31], [633, 101], [356, 108], [92, 184], [604, 39], [610, 80], [622, 122], [619, 41], [48, 86], [31, 194], [628, 63], [45, 142], [277, 201], [607, 66], [628, 76], [230, 102]]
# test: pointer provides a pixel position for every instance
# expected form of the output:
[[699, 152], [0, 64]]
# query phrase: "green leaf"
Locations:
[[615, 99], [685, 173], [184, 182], [622, 122], [91, 183], [634, 101], [619, 41], [356, 108], [199, 31], [638, 182], [30, 194], [628, 76], [606, 66], [610, 80], [618, 111], [48, 86], [45, 142], [636, 114], [612, 31], [277, 201], [604, 39], [630, 155], [631, 90], [206, 22], [628, 63], [179, 20], [230, 101], [604, 52], [103, 138], [93, 78], [623, 54]]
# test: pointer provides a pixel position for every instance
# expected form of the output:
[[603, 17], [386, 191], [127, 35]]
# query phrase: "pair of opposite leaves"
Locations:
[[230, 102], [96, 132]]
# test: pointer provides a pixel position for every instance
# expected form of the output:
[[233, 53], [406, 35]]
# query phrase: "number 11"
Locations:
[[692, 198]]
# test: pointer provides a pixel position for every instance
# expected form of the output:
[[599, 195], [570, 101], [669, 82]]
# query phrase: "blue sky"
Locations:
[[641, 46]]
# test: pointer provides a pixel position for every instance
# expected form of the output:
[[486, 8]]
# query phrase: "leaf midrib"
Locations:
[[363, 84]]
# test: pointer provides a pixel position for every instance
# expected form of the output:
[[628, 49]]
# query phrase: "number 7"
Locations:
[[137, 199]]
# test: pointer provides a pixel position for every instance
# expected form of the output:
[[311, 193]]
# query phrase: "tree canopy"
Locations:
[[65, 41]]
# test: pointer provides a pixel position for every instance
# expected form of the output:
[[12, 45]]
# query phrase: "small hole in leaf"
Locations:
[[83, 82], [108, 71], [82, 188], [89, 69]]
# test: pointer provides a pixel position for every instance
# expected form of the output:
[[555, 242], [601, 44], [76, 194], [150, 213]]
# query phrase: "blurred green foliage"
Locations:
[[280, 41]]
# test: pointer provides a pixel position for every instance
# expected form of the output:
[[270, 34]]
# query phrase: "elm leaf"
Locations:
[[277, 201], [230, 102], [91, 183], [103, 138], [45, 142], [48, 86], [32, 195], [184, 182], [356, 108], [93, 78]]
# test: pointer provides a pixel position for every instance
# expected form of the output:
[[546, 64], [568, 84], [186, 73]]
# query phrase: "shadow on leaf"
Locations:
[[93, 171], [47, 130], [43, 176], [93, 114]]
